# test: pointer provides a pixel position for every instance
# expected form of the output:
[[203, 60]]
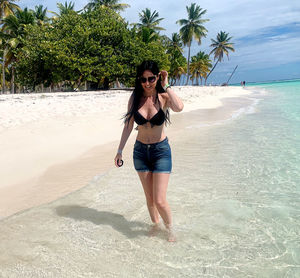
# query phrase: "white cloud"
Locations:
[[240, 19], [264, 55]]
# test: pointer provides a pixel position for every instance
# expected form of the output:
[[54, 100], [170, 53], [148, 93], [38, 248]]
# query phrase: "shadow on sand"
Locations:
[[130, 229]]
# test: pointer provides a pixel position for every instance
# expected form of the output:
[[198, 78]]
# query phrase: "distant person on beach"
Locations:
[[148, 106]]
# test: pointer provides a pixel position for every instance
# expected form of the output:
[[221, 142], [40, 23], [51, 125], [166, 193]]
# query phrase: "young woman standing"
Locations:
[[149, 106]]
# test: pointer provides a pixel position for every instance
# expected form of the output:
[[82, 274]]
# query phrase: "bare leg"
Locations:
[[160, 185], [147, 182]]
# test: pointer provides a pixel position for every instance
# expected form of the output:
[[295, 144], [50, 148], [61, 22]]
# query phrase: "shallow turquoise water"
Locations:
[[243, 178]]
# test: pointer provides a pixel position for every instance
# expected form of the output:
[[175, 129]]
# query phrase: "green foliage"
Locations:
[[177, 60], [192, 27], [149, 20], [7, 7], [148, 35], [84, 47], [12, 32], [112, 4], [65, 8], [32, 68], [221, 46], [40, 14], [200, 66]]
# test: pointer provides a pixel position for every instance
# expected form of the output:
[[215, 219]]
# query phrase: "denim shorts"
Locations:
[[154, 158]]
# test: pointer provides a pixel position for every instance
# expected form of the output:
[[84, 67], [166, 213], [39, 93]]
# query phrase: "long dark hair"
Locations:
[[138, 89]]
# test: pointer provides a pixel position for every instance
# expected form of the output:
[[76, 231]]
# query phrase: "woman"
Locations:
[[149, 107]]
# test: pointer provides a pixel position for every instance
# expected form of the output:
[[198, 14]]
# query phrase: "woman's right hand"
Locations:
[[118, 157]]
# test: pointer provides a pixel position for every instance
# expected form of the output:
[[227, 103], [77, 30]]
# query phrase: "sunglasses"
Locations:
[[150, 79]]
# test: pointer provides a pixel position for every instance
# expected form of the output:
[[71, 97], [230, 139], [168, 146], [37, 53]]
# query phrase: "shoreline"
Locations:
[[67, 175]]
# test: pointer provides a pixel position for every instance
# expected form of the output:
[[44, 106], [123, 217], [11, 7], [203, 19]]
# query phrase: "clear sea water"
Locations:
[[234, 194]]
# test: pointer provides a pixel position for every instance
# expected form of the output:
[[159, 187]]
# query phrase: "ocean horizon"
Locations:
[[266, 82]]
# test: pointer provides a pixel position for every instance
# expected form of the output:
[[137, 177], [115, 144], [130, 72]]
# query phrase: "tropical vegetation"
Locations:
[[200, 67], [112, 4], [150, 20], [7, 7], [192, 27], [64, 9], [96, 47], [221, 46]]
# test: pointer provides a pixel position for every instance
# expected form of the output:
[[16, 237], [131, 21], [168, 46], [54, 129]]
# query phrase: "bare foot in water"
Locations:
[[154, 229], [171, 235]]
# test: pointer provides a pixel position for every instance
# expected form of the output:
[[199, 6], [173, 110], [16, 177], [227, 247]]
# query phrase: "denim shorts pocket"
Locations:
[[138, 148], [163, 147]]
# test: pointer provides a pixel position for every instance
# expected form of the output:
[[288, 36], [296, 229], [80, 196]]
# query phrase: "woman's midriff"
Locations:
[[150, 135]]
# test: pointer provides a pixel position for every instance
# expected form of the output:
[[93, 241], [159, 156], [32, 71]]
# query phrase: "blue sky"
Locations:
[[266, 34]]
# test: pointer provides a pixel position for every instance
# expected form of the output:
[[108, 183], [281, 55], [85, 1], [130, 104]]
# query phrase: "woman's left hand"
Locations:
[[164, 78]]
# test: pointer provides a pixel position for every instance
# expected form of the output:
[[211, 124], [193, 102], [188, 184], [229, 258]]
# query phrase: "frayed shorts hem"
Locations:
[[154, 172]]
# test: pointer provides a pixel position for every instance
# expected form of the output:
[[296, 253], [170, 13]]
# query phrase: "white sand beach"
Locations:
[[54, 143]]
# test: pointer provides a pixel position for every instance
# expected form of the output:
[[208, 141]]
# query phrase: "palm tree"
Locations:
[[13, 31], [149, 20], [113, 4], [221, 45], [63, 9], [192, 28], [175, 44], [200, 66], [148, 35], [178, 62], [178, 72], [67, 7], [40, 14], [6, 69], [7, 7]]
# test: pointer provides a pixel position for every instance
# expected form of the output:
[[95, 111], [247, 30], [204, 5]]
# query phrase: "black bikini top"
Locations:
[[157, 119]]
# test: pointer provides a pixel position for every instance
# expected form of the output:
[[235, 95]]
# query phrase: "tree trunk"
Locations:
[[12, 89], [211, 71], [188, 65], [3, 73], [118, 83]]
